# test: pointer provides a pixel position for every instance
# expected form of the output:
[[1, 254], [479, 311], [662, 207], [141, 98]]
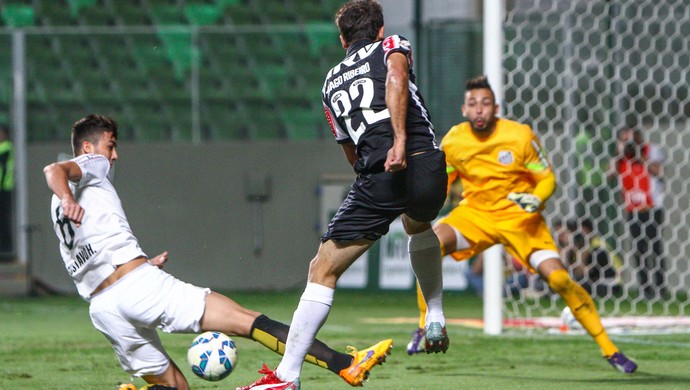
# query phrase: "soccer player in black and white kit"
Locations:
[[130, 295], [379, 117]]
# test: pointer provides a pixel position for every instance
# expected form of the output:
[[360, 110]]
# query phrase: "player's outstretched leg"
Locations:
[[418, 342], [363, 361], [436, 338], [584, 310], [270, 381]]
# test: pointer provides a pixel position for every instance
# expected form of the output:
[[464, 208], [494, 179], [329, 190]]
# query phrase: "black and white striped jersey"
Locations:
[[354, 99]]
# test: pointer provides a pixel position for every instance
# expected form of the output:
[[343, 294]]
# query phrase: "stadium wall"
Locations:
[[191, 201]]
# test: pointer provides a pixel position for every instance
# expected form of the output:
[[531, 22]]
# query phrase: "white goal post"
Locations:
[[578, 72], [494, 13]]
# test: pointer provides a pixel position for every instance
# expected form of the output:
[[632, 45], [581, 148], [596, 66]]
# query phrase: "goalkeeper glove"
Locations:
[[527, 201]]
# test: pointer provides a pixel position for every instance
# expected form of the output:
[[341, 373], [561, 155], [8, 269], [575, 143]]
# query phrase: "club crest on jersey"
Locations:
[[505, 157]]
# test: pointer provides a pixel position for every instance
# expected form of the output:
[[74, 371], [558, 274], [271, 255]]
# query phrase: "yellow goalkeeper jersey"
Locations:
[[511, 159]]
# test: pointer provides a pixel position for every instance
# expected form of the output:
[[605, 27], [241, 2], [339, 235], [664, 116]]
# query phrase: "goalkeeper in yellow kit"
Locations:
[[506, 179]]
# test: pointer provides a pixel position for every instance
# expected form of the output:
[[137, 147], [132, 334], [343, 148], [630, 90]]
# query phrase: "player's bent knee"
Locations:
[[538, 257], [559, 280], [412, 226]]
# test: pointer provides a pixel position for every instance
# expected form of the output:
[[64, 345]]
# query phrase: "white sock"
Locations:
[[425, 256], [310, 315]]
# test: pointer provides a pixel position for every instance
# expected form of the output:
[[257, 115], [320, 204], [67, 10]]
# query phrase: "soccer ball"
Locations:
[[569, 320], [212, 356]]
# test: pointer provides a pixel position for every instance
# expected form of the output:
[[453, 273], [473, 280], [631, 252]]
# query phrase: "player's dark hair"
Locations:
[[479, 82], [359, 19], [90, 128]]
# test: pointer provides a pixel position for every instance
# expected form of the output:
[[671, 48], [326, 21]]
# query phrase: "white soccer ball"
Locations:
[[212, 356], [569, 320]]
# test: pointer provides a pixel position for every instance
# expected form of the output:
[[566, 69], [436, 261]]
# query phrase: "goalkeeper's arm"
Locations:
[[542, 192]]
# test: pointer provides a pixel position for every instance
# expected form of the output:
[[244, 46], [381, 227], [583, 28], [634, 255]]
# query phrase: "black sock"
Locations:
[[273, 335]]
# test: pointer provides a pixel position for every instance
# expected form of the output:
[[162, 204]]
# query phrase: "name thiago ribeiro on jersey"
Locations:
[[348, 75]]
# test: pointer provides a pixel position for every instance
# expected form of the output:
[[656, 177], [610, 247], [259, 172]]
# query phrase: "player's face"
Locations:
[[480, 109], [106, 146]]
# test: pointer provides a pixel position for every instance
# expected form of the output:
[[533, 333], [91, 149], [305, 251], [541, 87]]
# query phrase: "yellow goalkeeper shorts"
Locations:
[[521, 233]]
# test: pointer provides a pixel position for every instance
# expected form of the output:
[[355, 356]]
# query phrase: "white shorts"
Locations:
[[129, 311]]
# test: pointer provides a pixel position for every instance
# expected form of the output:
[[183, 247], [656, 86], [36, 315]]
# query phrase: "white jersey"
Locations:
[[104, 240]]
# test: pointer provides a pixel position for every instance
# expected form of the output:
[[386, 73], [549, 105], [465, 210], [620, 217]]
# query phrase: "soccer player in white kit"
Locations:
[[130, 295]]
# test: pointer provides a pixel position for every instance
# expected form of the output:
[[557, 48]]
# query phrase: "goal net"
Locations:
[[579, 72]]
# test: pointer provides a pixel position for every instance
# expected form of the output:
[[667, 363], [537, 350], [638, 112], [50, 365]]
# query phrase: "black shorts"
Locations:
[[377, 199]]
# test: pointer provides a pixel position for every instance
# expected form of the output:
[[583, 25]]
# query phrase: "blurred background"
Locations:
[[224, 145], [228, 162]]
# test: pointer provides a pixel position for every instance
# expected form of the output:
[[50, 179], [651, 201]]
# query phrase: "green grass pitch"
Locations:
[[49, 343]]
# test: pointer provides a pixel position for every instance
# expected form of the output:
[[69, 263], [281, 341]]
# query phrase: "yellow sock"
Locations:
[[421, 304], [583, 308]]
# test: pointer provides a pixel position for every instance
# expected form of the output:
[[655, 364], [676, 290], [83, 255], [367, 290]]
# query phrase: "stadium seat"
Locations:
[[41, 124], [264, 120], [321, 34], [243, 84], [148, 122], [330, 7], [53, 13], [276, 12], [202, 14], [224, 47], [149, 54], [132, 86], [79, 49], [5, 92], [96, 16], [261, 49], [98, 89], [18, 15], [225, 122], [63, 116], [276, 81], [126, 14], [4, 114], [39, 46], [222, 4], [241, 15], [244, 76], [179, 115], [294, 46], [5, 71], [179, 49], [53, 81], [309, 11], [113, 110], [75, 6], [163, 14], [301, 123]]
